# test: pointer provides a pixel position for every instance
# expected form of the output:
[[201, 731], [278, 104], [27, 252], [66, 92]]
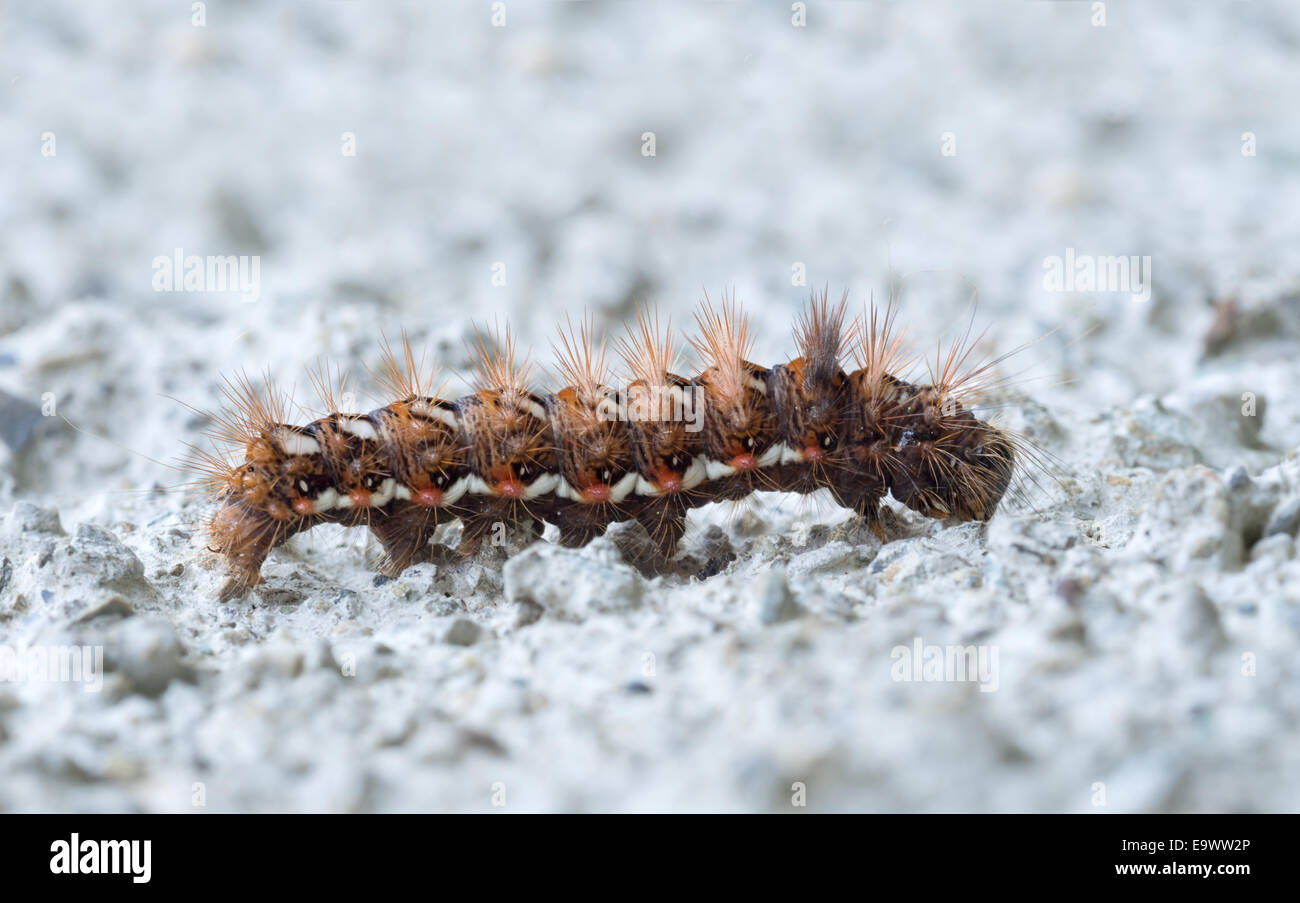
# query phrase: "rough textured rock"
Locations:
[[1128, 620], [572, 584]]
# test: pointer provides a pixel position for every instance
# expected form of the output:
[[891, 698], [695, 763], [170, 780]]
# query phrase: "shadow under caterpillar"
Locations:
[[588, 455]]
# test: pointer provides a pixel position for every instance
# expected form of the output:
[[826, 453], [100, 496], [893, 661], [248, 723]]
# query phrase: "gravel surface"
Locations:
[[1130, 619]]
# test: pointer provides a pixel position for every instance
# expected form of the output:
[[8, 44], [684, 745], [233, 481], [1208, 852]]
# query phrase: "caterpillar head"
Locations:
[[283, 474], [951, 463], [265, 500], [989, 461]]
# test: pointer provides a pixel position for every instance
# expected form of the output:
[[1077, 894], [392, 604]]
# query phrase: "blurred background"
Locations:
[[404, 166], [424, 167]]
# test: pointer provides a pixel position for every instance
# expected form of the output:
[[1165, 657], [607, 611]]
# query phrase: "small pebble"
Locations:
[[777, 604], [463, 632]]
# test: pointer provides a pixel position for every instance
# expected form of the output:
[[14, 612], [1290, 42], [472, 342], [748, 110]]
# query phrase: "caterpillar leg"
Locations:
[[665, 521], [575, 535], [244, 536], [580, 523], [475, 531], [405, 537], [863, 496], [870, 514], [493, 527]]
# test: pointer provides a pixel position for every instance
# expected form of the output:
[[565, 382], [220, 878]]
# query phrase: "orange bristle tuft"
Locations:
[[648, 351], [821, 338], [330, 383], [725, 343], [495, 367], [402, 377], [879, 351], [581, 360]]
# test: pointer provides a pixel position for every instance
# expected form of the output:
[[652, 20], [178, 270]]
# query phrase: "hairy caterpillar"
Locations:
[[589, 455]]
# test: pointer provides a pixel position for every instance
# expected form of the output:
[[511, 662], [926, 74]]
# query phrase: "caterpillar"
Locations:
[[590, 455]]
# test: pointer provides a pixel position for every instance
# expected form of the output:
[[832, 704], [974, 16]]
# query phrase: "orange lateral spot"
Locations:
[[668, 481], [429, 497], [360, 498], [511, 489], [597, 492], [304, 507], [743, 462]]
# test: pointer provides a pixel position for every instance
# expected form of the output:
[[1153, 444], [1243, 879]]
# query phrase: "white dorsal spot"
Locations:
[[361, 428], [296, 443]]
